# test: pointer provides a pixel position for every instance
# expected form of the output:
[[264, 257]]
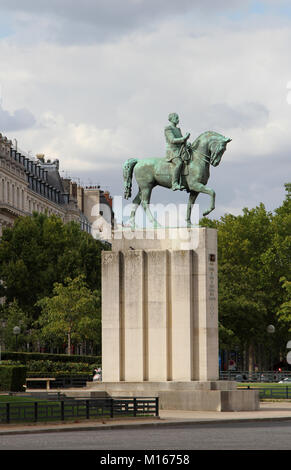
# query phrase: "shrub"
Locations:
[[24, 357], [12, 378], [56, 367], [45, 367]]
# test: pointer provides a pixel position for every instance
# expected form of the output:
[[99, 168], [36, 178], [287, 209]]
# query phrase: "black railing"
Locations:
[[276, 392], [260, 376], [282, 393], [61, 410]]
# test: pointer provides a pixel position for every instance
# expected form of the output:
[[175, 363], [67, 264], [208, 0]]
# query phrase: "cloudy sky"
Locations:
[[92, 83]]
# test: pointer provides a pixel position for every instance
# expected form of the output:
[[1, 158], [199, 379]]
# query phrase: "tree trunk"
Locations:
[[251, 357], [69, 342]]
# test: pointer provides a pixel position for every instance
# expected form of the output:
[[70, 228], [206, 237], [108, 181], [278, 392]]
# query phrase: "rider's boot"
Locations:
[[176, 178], [176, 186]]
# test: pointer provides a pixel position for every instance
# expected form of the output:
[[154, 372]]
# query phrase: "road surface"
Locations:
[[267, 435]]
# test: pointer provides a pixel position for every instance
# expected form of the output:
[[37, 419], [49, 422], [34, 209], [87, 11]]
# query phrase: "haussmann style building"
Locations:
[[30, 185]]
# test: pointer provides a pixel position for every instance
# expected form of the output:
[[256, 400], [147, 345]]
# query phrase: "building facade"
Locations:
[[30, 185], [97, 205]]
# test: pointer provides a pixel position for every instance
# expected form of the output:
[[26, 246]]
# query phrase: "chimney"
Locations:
[[40, 157]]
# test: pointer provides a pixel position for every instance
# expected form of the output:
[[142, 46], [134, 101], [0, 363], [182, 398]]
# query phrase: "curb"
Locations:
[[139, 425]]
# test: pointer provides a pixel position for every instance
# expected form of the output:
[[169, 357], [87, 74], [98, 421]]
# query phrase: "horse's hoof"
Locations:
[[207, 212], [157, 225], [189, 225]]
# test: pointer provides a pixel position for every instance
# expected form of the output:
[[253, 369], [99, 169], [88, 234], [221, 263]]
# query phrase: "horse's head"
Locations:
[[211, 145], [217, 148]]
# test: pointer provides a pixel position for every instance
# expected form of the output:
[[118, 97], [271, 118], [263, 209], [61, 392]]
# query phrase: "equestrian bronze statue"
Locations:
[[185, 167]]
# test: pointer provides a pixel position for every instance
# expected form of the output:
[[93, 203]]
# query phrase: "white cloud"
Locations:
[[78, 146], [99, 102], [68, 21], [16, 120]]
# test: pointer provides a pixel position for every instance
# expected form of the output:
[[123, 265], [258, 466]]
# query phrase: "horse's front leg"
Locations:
[[201, 188], [192, 198], [211, 193]]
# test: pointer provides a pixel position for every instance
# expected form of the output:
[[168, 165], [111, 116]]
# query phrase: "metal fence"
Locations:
[[260, 376], [42, 411], [281, 393], [276, 393]]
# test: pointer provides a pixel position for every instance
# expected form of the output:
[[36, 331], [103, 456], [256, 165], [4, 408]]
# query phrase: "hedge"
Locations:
[[12, 378], [25, 357], [56, 366]]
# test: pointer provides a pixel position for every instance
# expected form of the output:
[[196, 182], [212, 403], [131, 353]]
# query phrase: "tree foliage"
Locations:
[[39, 251], [284, 312], [11, 316], [71, 315], [37, 255], [254, 253]]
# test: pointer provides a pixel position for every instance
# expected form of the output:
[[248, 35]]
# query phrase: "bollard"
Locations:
[[157, 406], [111, 408], [62, 410], [35, 411], [134, 407], [7, 412], [87, 409]]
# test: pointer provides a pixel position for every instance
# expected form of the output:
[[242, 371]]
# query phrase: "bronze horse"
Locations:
[[206, 150]]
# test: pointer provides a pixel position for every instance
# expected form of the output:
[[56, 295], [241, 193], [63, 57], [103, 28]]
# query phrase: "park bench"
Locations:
[[41, 379]]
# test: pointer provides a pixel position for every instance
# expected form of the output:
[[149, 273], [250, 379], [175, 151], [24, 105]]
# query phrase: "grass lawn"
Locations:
[[270, 390], [17, 399], [263, 384]]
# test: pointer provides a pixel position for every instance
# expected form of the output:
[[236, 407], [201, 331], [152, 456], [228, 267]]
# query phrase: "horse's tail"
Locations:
[[128, 167]]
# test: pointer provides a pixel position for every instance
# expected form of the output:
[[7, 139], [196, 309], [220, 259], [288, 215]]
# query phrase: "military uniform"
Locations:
[[175, 143]]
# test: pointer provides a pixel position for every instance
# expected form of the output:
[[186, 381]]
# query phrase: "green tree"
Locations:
[[39, 251], [284, 312], [71, 315], [11, 315], [253, 253], [277, 258]]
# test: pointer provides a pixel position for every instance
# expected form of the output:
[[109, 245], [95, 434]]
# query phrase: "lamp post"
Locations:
[[288, 358], [271, 330], [3, 324], [16, 331]]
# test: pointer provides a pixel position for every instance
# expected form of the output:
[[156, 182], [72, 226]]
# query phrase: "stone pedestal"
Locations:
[[160, 318], [192, 395], [159, 306]]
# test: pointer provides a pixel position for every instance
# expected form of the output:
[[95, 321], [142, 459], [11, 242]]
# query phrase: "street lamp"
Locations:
[[16, 331], [288, 358], [271, 330], [3, 324]]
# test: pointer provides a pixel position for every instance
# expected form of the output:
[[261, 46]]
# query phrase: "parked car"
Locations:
[[284, 381], [241, 378]]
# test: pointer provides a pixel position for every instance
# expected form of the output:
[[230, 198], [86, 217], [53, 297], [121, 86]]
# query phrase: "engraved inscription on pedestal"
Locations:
[[212, 283]]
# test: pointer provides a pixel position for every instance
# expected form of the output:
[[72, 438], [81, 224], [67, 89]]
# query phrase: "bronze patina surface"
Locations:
[[185, 167]]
